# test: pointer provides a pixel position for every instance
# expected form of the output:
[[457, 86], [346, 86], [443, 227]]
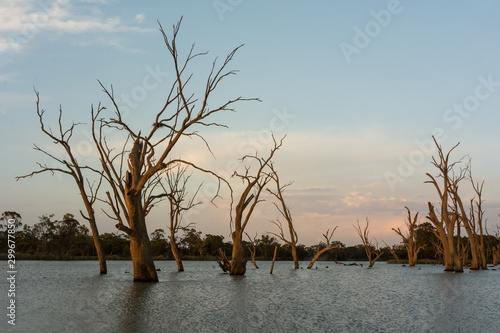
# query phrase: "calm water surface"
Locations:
[[57, 296]]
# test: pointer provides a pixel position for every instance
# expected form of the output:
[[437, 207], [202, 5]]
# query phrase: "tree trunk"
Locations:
[[294, 256], [99, 247], [474, 264], [496, 255], [101, 255], [140, 245], [412, 259], [238, 258], [482, 251], [455, 258], [311, 264], [274, 259], [175, 252]]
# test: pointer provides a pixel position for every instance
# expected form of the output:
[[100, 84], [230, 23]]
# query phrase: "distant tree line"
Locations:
[[67, 238]]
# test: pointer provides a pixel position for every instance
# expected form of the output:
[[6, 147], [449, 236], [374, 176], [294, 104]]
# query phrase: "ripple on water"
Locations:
[[72, 297]]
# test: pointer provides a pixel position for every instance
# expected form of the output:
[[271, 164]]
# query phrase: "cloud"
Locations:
[[21, 21], [139, 18]]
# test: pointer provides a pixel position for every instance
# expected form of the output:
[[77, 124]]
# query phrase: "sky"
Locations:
[[357, 87]]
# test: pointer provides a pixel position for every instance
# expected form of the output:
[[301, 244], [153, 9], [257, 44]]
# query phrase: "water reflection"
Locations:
[[73, 297]]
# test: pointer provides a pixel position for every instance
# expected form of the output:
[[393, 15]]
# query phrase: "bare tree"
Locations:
[[274, 259], [71, 166], [372, 251], [393, 252], [179, 204], [252, 249], [328, 236], [151, 153], [249, 198], [468, 221], [477, 219], [445, 220], [410, 239], [284, 211]]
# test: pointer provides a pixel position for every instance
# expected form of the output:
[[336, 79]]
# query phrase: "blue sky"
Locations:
[[357, 87]]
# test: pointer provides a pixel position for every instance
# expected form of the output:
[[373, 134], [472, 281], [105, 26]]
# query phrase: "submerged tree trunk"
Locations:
[[294, 256], [274, 259], [238, 258], [140, 245], [311, 264], [99, 247], [175, 252], [328, 237]]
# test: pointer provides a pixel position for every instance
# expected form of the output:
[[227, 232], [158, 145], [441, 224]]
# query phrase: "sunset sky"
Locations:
[[358, 88]]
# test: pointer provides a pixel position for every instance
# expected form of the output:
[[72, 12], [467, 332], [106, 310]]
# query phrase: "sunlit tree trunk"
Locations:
[[446, 221], [284, 210], [409, 240], [372, 252], [74, 169], [140, 245], [247, 202], [238, 258], [274, 259], [175, 251], [328, 237]]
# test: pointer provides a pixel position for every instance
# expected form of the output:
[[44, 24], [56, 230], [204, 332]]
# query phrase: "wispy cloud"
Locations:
[[139, 18], [21, 21]]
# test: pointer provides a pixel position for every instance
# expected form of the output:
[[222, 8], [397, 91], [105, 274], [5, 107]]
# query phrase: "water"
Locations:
[[53, 296]]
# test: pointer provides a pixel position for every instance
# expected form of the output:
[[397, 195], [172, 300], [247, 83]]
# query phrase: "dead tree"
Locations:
[[150, 153], [284, 211], [274, 259], [464, 218], [328, 236], [70, 166], [444, 220], [252, 249], [372, 251], [249, 198], [410, 239], [477, 219], [176, 189], [393, 252]]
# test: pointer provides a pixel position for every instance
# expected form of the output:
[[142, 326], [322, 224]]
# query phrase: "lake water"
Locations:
[[54, 296]]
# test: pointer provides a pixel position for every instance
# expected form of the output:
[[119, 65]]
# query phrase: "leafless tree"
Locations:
[[478, 222], [70, 166], [393, 252], [372, 251], [176, 188], [410, 238], [284, 211], [249, 198], [328, 236], [468, 221], [151, 153], [445, 219]]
